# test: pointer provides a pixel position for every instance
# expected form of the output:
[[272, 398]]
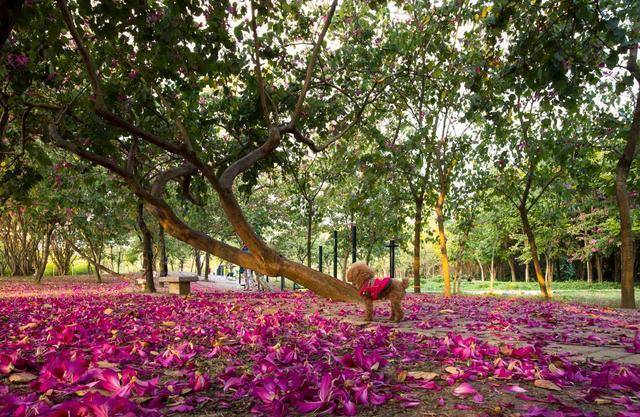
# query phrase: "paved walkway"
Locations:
[[225, 284]]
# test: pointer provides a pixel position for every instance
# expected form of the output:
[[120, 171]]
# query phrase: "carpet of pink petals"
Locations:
[[75, 348]]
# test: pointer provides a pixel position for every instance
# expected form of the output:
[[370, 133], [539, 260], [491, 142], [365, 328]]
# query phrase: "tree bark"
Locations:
[[589, 270], [198, 262], [147, 250], [309, 227], [526, 272], [622, 198], [512, 267], [207, 268], [442, 241], [524, 217], [599, 267], [492, 273], [417, 231], [481, 268], [162, 246], [45, 255]]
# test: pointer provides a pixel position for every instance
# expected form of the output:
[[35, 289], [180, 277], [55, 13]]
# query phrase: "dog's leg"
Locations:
[[396, 309], [368, 309]]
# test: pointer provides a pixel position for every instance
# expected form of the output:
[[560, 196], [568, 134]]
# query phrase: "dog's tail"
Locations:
[[405, 283]]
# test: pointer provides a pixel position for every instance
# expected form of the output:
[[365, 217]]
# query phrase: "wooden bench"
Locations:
[[179, 283]]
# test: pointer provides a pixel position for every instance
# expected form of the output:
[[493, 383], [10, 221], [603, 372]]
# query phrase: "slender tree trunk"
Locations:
[[207, 267], [162, 247], [309, 230], [622, 198], [442, 240], [524, 216], [417, 231], [599, 267], [147, 250], [549, 274], [589, 271], [492, 275], [481, 268], [45, 255], [526, 272], [198, 262], [512, 267]]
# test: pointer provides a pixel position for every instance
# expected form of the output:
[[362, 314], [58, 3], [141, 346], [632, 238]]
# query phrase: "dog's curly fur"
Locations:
[[359, 273]]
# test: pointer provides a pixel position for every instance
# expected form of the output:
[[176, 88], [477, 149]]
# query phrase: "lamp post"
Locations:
[[392, 257]]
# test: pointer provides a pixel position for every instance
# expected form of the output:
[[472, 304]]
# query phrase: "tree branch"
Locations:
[[311, 64], [256, 62]]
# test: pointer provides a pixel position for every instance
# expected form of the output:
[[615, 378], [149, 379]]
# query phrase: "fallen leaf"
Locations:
[[29, 326], [453, 370], [22, 377], [106, 364], [423, 375], [107, 311], [546, 384], [401, 376], [169, 323]]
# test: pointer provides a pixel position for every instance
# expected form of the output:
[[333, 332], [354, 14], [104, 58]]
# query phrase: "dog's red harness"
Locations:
[[375, 288]]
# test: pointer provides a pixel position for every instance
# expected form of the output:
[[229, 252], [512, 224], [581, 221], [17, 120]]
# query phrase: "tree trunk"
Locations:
[[207, 268], [198, 262], [549, 273], [417, 231], [524, 216], [599, 267], [526, 272], [442, 241], [263, 260], [90, 260], [481, 269], [622, 198], [512, 267], [309, 226], [45, 255], [162, 247], [492, 275], [147, 250], [589, 271]]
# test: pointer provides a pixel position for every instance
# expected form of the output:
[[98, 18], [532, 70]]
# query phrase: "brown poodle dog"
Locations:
[[360, 275]]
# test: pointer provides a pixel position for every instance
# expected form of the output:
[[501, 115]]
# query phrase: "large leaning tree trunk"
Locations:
[[162, 255], [147, 250], [622, 197], [261, 258], [45, 254]]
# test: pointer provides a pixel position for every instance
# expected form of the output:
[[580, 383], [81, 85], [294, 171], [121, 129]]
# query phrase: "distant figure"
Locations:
[[247, 274]]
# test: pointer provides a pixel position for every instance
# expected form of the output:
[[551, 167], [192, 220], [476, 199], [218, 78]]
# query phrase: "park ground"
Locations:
[[71, 347]]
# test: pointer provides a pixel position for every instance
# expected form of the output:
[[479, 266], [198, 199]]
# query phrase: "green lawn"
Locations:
[[605, 293]]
